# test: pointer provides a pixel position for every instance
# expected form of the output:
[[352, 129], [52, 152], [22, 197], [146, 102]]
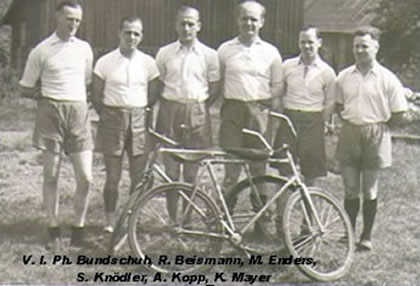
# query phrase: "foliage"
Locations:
[[400, 23], [8, 84]]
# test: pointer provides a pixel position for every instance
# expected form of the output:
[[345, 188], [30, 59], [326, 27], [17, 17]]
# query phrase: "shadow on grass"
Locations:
[[34, 232]]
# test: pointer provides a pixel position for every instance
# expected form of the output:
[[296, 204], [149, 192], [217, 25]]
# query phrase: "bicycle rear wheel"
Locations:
[[174, 222], [245, 200], [329, 247]]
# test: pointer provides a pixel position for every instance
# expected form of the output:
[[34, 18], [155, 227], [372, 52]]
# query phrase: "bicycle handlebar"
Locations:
[[262, 139], [287, 119], [163, 137]]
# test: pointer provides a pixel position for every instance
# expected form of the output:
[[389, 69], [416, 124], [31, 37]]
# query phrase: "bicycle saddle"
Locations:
[[250, 153], [190, 158]]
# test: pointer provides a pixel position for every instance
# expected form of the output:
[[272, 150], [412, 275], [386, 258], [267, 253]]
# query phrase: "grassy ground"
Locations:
[[394, 261]]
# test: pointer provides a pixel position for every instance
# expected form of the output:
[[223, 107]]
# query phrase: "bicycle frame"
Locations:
[[222, 158]]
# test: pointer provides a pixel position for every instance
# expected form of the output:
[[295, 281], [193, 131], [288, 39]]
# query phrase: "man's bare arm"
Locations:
[[98, 86], [154, 91], [214, 92]]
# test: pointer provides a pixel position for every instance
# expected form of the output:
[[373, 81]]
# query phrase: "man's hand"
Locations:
[[398, 119], [31, 92]]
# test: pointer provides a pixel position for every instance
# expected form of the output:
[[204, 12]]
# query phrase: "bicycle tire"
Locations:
[[154, 233], [332, 249], [119, 235], [266, 237]]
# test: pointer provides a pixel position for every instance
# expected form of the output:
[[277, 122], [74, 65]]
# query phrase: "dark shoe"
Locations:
[[77, 236], [54, 242]]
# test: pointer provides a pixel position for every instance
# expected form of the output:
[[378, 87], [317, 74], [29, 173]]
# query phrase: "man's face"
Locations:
[[250, 21], [131, 35], [68, 20], [365, 49], [309, 43], [187, 26]]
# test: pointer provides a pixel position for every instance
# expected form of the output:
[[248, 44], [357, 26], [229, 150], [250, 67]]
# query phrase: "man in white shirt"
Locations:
[[122, 82], [189, 71], [63, 65], [252, 79], [308, 100], [370, 98]]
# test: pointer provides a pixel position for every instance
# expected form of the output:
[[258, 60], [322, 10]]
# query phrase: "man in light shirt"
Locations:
[[252, 81], [308, 100], [63, 65], [189, 71], [122, 81], [370, 99]]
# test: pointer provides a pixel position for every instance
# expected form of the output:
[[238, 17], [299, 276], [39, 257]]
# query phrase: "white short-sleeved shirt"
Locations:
[[126, 80], [310, 90], [249, 72], [371, 98], [64, 68], [186, 73]]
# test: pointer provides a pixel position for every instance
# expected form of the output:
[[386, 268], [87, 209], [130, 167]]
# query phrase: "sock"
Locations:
[[369, 214], [352, 208]]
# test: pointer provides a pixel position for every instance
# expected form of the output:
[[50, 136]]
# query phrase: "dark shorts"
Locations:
[[186, 123], [309, 147], [62, 126], [237, 115], [120, 130], [365, 146]]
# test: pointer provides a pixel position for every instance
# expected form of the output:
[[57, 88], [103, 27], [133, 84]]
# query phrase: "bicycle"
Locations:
[[314, 224]]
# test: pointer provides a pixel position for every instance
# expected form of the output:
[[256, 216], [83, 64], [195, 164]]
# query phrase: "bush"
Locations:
[[8, 84]]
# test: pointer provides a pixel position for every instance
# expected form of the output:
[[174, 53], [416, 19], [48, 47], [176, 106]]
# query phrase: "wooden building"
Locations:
[[32, 20], [337, 20]]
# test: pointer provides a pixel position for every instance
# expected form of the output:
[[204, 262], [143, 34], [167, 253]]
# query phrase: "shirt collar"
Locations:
[[120, 55], [374, 70], [316, 63], [56, 40], [194, 47], [257, 41]]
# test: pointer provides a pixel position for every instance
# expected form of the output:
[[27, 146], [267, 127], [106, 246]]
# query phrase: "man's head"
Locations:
[[366, 44], [68, 17], [309, 42], [250, 19], [187, 24], [131, 34]]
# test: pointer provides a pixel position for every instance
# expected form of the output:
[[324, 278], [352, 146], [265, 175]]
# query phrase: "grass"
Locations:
[[395, 260]]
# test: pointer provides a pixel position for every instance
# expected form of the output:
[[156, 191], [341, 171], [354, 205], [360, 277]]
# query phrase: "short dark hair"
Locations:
[[246, 2], [312, 27], [374, 32], [185, 8], [130, 19], [67, 3]]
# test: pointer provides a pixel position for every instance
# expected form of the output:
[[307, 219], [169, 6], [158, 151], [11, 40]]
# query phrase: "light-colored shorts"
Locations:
[[365, 146], [122, 129], [62, 126], [309, 146]]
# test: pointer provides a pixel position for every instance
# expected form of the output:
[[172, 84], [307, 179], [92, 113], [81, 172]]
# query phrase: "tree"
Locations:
[[400, 22]]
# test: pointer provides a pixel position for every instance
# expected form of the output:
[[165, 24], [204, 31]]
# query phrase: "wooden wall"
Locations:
[[102, 17]]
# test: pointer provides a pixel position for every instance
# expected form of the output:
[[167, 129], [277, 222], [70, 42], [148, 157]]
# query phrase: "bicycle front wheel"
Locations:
[[173, 222], [119, 236], [325, 251], [246, 200]]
